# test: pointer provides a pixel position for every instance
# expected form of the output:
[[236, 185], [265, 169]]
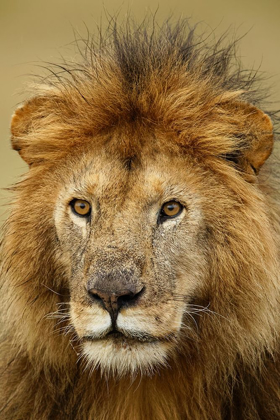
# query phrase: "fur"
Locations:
[[145, 118]]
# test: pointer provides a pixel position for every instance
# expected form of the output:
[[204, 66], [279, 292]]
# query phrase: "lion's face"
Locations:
[[134, 269]]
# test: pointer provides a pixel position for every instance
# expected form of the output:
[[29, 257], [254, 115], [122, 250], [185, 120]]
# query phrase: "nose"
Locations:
[[114, 300]]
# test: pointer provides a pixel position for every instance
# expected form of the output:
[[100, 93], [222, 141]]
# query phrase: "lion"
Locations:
[[140, 263]]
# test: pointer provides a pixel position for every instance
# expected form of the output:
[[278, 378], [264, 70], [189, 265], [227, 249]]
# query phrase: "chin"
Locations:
[[120, 356]]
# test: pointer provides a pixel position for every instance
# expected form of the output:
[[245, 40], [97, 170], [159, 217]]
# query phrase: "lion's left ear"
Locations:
[[256, 133]]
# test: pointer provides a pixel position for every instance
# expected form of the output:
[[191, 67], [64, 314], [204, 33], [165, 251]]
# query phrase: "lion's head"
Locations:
[[142, 223]]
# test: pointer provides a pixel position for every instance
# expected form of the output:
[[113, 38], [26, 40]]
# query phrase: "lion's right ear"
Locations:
[[24, 121]]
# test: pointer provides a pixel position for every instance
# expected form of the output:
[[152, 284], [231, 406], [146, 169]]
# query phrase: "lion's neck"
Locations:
[[182, 391]]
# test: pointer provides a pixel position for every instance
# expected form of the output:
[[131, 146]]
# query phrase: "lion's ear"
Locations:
[[24, 121], [255, 131]]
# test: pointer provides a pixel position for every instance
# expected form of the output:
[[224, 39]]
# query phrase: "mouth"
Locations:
[[122, 352], [115, 334], [118, 336]]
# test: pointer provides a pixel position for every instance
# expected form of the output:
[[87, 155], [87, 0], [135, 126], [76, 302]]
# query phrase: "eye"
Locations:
[[170, 210], [81, 207]]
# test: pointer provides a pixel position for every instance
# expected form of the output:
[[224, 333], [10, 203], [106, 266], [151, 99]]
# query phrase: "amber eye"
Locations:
[[170, 210], [81, 207]]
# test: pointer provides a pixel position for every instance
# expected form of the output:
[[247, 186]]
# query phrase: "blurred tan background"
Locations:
[[35, 30]]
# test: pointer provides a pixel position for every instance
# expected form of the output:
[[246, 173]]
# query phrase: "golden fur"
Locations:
[[143, 120]]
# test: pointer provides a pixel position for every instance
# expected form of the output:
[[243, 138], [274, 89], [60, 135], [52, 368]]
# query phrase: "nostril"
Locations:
[[94, 296], [126, 298], [129, 298]]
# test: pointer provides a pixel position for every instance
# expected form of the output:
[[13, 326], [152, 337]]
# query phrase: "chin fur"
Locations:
[[125, 356]]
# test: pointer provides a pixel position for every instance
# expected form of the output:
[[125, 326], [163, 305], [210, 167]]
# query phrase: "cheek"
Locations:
[[180, 261], [71, 236]]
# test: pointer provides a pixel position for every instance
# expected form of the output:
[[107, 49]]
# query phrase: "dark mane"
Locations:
[[138, 52]]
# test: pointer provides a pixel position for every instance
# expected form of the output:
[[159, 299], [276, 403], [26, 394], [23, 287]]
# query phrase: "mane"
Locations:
[[165, 79]]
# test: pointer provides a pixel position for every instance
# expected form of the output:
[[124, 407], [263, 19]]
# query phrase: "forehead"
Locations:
[[106, 173]]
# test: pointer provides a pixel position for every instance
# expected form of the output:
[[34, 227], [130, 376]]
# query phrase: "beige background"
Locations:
[[36, 30]]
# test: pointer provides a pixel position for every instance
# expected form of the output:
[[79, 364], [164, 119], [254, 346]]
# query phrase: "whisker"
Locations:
[[199, 310], [57, 293], [193, 319]]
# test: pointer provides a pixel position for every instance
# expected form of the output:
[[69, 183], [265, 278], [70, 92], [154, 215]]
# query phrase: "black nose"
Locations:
[[113, 300]]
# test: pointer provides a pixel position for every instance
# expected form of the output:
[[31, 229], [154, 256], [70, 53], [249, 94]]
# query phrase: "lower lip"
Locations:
[[114, 334], [119, 338]]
